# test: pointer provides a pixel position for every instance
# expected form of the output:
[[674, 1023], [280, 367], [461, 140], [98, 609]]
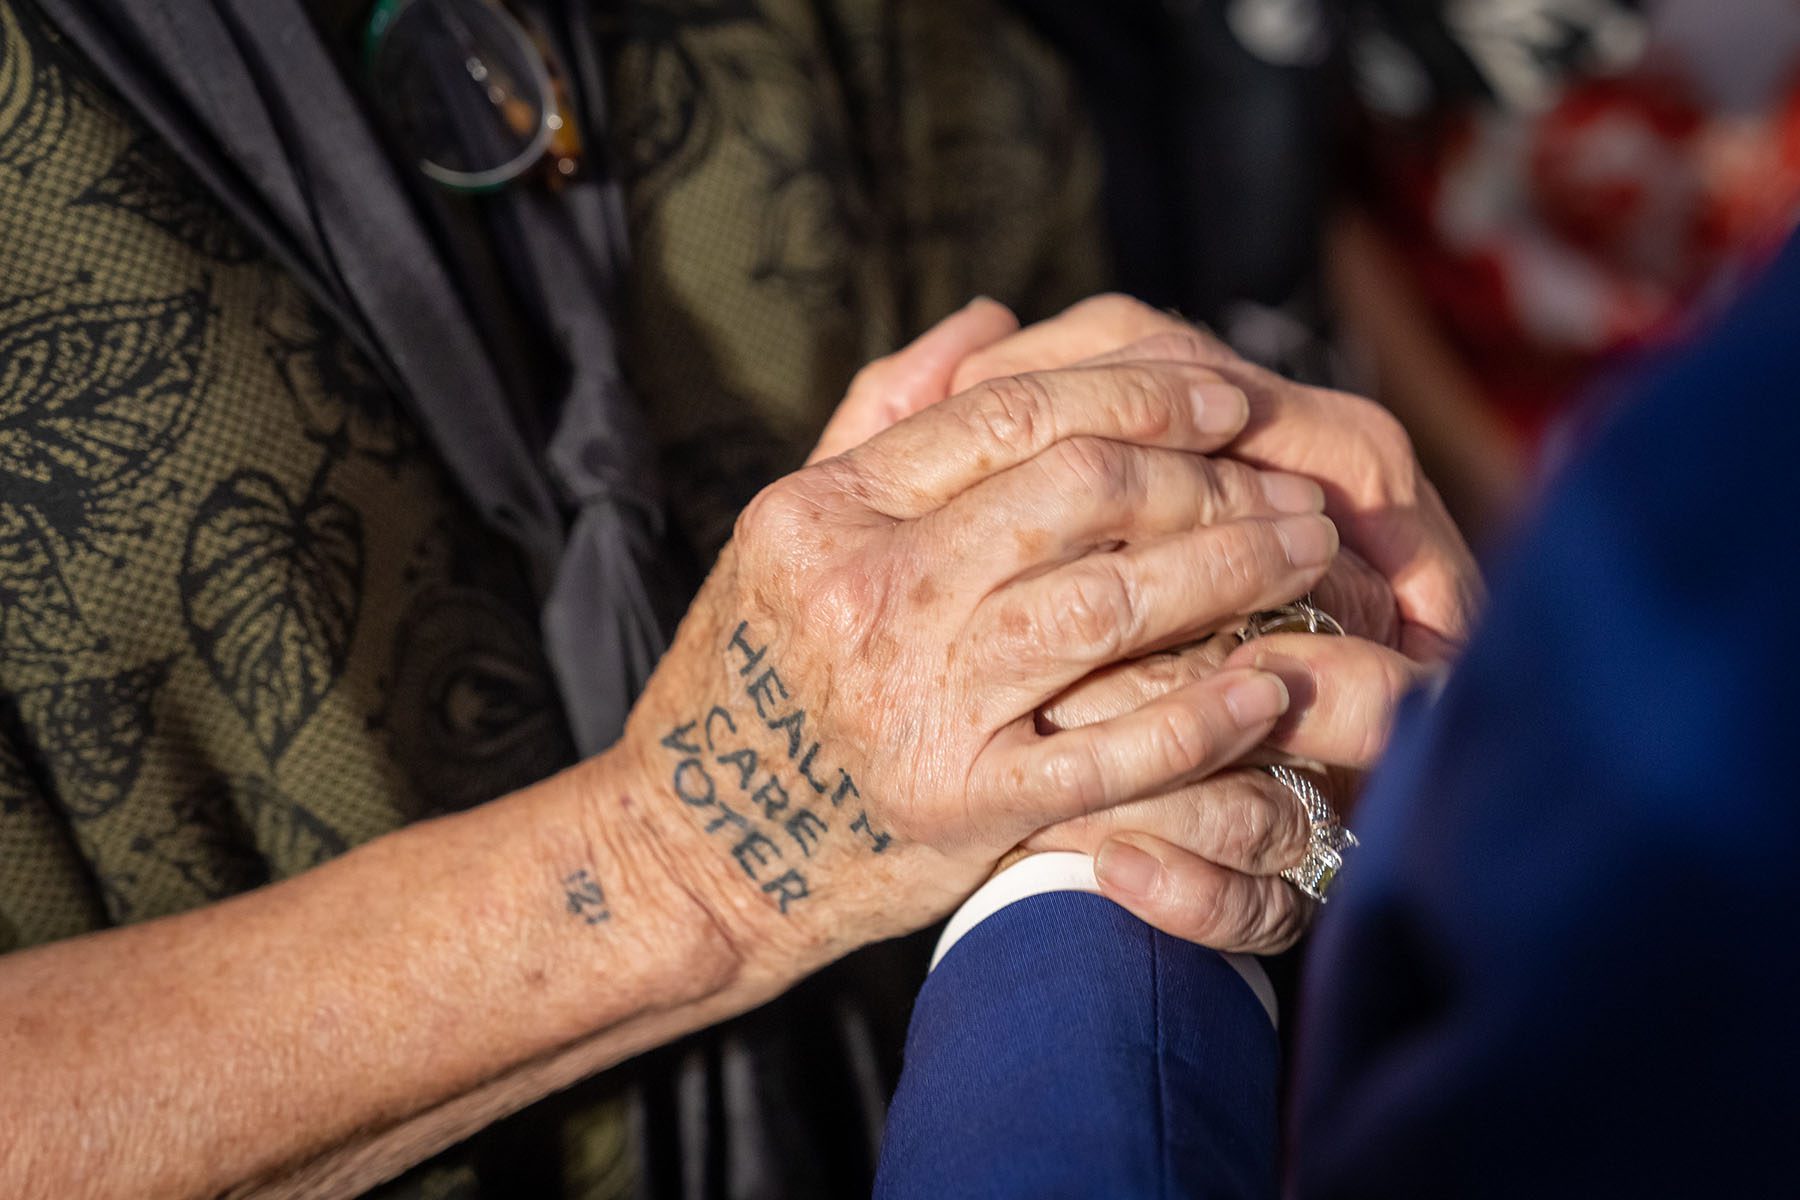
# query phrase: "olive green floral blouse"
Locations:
[[245, 620]]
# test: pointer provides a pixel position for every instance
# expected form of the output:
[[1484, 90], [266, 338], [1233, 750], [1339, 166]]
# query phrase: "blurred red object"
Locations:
[[1552, 242]]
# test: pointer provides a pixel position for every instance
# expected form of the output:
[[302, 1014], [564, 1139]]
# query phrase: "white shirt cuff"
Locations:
[[1064, 871]]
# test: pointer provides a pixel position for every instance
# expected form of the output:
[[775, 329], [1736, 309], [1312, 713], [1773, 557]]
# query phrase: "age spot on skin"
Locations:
[[883, 649], [1032, 542], [923, 592]]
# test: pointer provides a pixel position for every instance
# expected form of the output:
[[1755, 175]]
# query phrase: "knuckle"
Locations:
[[1218, 488], [1094, 614], [1227, 918], [1011, 635], [1098, 468], [1012, 411], [1379, 429], [1246, 559], [1160, 674], [1072, 771], [782, 527], [1265, 555], [766, 522], [1225, 486], [1360, 599], [1279, 919], [1143, 402], [1269, 830], [1180, 740], [872, 378]]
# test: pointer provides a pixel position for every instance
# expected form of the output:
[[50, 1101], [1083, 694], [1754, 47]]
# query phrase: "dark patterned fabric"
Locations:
[[246, 622], [812, 183], [238, 602]]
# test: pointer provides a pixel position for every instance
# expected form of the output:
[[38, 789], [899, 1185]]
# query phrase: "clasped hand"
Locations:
[[984, 619]]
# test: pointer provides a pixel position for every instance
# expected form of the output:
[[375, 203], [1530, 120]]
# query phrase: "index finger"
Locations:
[[935, 455]]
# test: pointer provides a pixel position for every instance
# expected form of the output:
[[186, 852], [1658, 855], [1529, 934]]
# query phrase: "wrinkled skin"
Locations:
[[924, 593], [1218, 843]]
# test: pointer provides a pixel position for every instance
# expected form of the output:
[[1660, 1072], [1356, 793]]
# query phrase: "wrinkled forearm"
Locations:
[[332, 1029]]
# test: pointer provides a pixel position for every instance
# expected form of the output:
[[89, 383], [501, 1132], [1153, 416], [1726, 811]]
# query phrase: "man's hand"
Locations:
[[844, 728], [1219, 844], [1203, 861]]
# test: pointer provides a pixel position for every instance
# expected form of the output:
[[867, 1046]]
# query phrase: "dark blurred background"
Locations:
[[1470, 209]]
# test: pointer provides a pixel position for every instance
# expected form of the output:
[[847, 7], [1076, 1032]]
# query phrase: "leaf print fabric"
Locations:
[[92, 734], [270, 589], [246, 624], [147, 180], [93, 399]]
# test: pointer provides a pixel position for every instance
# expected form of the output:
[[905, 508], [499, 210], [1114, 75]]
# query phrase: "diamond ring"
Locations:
[[1326, 837]]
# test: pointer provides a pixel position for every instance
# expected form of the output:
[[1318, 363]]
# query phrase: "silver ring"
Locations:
[[1326, 837], [1302, 616]]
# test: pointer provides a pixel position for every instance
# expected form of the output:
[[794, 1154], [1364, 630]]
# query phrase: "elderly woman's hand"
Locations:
[[843, 730], [1387, 511], [1202, 861], [1374, 488]]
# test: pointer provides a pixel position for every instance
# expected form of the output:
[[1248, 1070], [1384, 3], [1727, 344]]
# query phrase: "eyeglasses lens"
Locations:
[[465, 91]]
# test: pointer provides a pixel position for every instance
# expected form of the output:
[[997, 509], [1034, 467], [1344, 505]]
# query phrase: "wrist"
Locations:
[[724, 936]]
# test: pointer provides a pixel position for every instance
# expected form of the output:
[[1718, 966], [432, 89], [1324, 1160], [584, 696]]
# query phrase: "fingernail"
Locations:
[[1124, 868], [1256, 699], [1292, 493], [1283, 665], [1309, 541], [1219, 408], [1295, 676]]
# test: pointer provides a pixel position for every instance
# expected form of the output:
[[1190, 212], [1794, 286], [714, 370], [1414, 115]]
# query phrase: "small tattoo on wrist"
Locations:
[[583, 897]]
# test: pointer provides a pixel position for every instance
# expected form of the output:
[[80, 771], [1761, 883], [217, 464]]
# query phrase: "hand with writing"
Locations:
[[1209, 853], [843, 739]]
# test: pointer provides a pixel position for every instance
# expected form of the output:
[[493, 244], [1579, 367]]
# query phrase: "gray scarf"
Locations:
[[534, 422]]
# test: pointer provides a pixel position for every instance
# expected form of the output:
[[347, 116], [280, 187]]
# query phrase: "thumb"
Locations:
[[916, 376]]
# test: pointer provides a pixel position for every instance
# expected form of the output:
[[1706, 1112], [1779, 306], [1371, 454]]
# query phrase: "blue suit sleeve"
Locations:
[[1062, 1048], [1562, 963]]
